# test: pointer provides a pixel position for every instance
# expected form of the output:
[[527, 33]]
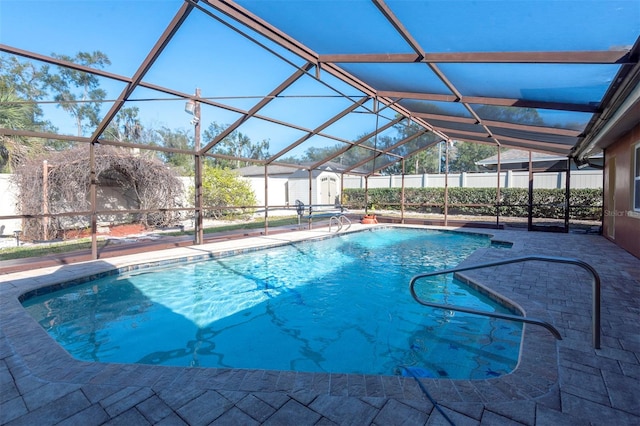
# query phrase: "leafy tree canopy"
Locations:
[[28, 82], [178, 139], [78, 92], [224, 188], [236, 144], [17, 114], [466, 155]]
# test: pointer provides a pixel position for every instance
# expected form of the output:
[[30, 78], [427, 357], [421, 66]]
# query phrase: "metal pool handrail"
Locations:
[[339, 222], [552, 329]]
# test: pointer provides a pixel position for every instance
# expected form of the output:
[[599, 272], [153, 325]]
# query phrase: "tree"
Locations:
[[354, 155], [21, 85], [79, 92], [314, 154], [424, 160], [14, 114], [224, 188], [27, 80], [510, 114], [178, 139], [236, 144], [125, 126], [468, 153]]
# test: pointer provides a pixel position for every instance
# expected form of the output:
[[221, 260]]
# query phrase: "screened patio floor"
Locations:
[[557, 382]]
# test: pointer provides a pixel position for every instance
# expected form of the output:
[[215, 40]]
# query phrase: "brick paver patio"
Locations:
[[563, 382]]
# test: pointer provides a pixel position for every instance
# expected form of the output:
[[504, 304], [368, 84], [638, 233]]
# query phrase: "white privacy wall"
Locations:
[[8, 206], [509, 179], [284, 190]]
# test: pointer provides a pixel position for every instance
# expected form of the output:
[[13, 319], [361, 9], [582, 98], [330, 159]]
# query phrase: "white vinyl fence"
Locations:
[[508, 179], [578, 179], [8, 206]]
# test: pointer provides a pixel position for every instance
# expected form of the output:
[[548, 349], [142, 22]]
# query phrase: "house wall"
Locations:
[[621, 223]]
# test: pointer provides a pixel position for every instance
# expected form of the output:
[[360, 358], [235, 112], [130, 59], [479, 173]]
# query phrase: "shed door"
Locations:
[[328, 190]]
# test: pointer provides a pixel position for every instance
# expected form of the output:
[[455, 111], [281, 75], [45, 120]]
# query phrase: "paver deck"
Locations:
[[565, 382]]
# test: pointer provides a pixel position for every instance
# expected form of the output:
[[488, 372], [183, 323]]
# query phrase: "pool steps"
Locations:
[[551, 328]]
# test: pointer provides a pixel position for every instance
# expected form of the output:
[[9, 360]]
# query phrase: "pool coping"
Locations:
[[535, 377]]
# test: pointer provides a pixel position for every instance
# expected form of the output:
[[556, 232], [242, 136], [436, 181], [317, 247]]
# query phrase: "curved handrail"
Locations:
[[342, 219], [509, 317], [338, 223], [596, 292]]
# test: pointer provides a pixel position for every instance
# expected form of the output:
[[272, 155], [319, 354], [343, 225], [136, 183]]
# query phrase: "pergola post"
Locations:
[[198, 232], [45, 200], [266, 199], [402, 194], [92, 200], [366, 194], [498, 192], [567, 196], [530, 201], [310, 195], [446, 183], [341, 188]]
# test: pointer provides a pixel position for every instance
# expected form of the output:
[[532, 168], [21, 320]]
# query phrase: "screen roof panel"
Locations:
[[331, 26], [536, 136], [195, 54], [532, 116], [306, 102], [567, 83], [159, 109], [309, 148], [507, 25], [356, 125], [69, 27], [398, 77], [435, 107], [257, 130]]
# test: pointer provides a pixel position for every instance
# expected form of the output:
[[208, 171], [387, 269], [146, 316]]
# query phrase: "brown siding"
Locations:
[[618, 207]]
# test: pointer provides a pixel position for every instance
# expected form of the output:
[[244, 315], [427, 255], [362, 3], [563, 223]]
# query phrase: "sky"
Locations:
[[127, 30], [232, 69]]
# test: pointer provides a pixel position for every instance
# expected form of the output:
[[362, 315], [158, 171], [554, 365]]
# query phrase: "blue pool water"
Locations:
[[339, 305]]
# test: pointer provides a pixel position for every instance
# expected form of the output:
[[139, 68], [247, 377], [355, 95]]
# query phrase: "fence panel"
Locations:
[[579, 179]]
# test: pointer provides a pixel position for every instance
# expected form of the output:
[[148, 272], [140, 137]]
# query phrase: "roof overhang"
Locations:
[[622, 120]]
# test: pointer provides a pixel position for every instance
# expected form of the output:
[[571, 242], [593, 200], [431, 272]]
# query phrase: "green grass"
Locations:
[[44, 250], [257, 224], [85, 243]]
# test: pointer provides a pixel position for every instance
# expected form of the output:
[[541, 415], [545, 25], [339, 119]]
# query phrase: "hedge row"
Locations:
[[585, 204]]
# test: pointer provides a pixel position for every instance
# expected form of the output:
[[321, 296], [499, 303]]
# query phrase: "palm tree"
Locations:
[[15, 114]]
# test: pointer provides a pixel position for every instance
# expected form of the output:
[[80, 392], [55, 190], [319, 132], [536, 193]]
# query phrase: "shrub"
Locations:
[[224, 188], [585, 204]]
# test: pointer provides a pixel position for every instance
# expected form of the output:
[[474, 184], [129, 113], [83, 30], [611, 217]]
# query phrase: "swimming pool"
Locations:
[[340, 305]]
